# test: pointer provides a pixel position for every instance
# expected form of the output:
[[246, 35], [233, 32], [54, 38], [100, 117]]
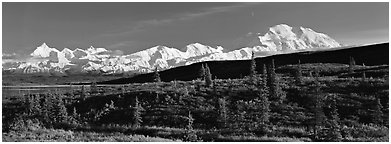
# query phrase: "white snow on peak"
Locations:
[[93, 50], [43, 51], [315, 39], [220, 48], [67, 50], [284, 38], [283, 31], [197, 49]]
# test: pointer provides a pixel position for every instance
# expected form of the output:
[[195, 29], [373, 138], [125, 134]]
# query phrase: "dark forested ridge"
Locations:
[[370, 55]]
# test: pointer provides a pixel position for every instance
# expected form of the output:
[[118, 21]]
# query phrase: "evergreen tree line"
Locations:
[[54, 111], [46, 110]]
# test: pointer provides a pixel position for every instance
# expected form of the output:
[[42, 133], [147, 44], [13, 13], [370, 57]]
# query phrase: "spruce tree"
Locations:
[[83, 93], [47, 106], [352, 64], [32, 103], [157, 99], [276, 93], [253, 71], [262, 108], [319, 116], [214, 85], [60, 111], [94, 87], [156, 76], [264, 78], [378, 114], [37, 104], [223, 112], [271, 80], [71, 88], [334, 132], [298, 74], [364, 77], [208, 76], [202, 72], [190, 134], [123, 90], [29, 102], [75, 115], [55, 109], [271, 73], [263, 100], [190, 122], [137, 109], [353, 61]]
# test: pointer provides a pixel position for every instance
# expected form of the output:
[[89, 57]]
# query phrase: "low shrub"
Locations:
[[22, 124], [381, 139], [365, 131], [58, 135], [39, 135], [288, 132], [260, 139]]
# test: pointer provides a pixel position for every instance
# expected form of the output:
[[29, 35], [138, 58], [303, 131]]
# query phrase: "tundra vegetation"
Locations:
[[301, 102]]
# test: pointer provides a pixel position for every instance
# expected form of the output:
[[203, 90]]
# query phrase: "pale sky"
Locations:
[[131, 27]]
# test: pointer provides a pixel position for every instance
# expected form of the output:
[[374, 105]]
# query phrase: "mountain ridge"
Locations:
[[279, 39]]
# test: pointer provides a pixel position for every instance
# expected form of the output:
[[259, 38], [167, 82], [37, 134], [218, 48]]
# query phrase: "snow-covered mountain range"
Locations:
[[279, 39]]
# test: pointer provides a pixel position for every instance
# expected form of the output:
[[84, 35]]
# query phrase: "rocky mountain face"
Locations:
[[279, 39]]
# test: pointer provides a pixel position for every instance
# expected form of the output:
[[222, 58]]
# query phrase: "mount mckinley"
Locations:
[[279, 39]]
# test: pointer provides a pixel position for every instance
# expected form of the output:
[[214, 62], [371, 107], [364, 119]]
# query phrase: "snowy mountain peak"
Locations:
[[306, 29], [160, 47], [157, 48], [93, 50], [196, 44], [281, 26], [43, 51], [67, 50], [44, 45], [79, 49], [286, 38], [220, 48], [281, 29], [197, 49]]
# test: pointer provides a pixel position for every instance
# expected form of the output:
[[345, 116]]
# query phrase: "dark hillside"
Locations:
[[370, 55]]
